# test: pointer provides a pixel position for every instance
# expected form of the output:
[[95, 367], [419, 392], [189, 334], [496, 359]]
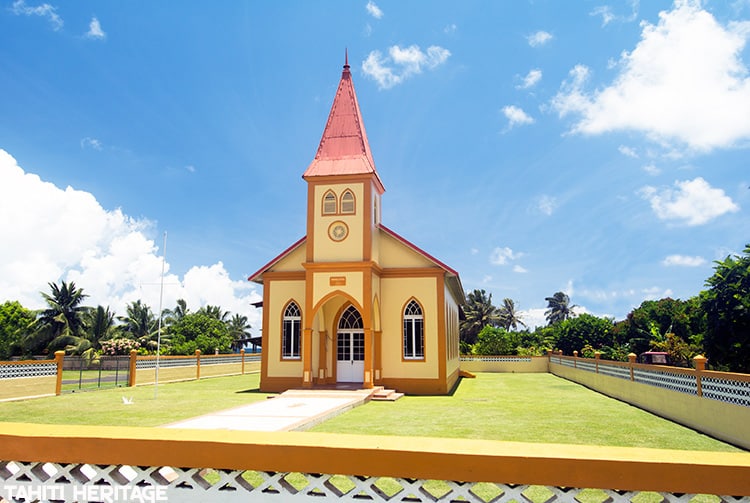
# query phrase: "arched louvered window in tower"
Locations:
[[347, 202], [330, 204]]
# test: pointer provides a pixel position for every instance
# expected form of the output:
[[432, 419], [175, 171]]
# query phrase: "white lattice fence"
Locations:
[[52, 482], [28, 369]]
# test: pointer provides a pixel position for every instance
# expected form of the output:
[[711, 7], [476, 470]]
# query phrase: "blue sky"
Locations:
[[534, 146]]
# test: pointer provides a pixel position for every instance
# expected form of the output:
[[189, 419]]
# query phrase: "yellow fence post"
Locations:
[[700, 366], [597, 356], [131, 370], [198, 364], [242, 354], [59, 357], [631, 361], [575, 359]]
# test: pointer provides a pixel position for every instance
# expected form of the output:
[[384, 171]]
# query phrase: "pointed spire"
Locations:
[[343, 149]]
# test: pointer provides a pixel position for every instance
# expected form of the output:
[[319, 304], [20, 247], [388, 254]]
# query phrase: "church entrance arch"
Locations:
[[350, 347]]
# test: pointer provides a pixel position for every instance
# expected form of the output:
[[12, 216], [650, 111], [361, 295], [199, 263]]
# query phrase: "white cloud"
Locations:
[[501, 256], [628, 151], [373, 10], [531, 79], [89, 142], [683, 261], [539, 38], [190, 168], [547, 204], [656, 293], [45, 10], [402, 63], [605, 11], [111, 257], [95, 30], [519, 269], [684, 83], [691, 202], [451, 28], [516, 116], [533, 317], [651, 169]]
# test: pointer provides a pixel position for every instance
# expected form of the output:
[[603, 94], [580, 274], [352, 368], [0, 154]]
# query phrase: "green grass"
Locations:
[[174, 402], [512, 407], [523, 408]]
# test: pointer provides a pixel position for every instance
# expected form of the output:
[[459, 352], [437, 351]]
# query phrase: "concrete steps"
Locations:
[[381, 394]]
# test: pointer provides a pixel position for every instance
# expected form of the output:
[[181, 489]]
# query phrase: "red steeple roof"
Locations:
[[343, 149]]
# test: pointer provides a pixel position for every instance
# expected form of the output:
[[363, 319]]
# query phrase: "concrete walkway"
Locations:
[[291, 411]]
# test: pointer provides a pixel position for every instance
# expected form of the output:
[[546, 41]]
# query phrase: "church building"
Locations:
[[353, 301]]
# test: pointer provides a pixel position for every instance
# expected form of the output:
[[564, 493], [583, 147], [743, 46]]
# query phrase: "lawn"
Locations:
[[524, 408], [173, 402], [513, 407]]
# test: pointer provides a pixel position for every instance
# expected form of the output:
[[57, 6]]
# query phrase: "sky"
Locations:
[[594, 148]]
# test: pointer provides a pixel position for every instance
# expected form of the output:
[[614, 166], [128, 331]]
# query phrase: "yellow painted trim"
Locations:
[[441, 335], [412, 272], [284, 276], [468, 460]]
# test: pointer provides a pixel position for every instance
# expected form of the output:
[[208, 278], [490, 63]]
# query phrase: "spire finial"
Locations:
[[346, 58]]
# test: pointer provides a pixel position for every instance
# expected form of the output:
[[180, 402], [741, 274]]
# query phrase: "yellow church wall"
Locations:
[[349, 249], [452, 353], [396, 292], [349, 282], [292, 262], [281, 292], [395, 254]]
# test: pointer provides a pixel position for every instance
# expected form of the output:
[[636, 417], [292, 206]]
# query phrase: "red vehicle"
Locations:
[[654, 358]]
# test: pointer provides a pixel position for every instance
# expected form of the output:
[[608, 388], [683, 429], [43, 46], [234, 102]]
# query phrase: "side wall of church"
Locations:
[[280, 373]]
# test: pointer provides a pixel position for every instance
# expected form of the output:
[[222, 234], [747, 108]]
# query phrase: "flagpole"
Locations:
[[158, 332]]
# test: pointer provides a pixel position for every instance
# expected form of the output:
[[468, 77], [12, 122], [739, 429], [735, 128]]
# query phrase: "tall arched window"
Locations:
[[413, 332], [347, 202], [290, 340], [330, 205]]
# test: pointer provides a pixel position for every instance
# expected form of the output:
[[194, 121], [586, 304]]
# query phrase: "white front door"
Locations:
[[350, 356]]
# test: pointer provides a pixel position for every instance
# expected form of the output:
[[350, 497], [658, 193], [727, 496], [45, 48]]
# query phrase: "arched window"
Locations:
[[413, 332], [347, 202], [330, 205], [350, 318], [290, 347]]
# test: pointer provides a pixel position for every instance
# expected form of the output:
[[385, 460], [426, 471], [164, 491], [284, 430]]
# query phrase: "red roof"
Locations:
[[343, 149]]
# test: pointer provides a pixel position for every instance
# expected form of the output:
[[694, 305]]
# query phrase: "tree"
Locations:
[[727, 308], [15, 321], [558, 308], [100, 324], [199, 331], [62, 323], [215, 312], [479, 313], [171, 316], [576, 333], [497, 341], [139, 324], [239, 330], [509, 317]]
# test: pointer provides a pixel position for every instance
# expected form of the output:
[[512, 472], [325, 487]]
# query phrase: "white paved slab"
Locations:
[[292, 410]]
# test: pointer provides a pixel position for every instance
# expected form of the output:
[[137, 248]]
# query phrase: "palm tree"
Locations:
[[101, 325], [62, 323], [239, 329], [172, 316], [479, 312], [558, 308], [139, 323], [215, 312], [509, 317]]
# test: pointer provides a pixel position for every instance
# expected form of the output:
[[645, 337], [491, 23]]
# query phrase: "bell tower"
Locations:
[[344, 189]]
